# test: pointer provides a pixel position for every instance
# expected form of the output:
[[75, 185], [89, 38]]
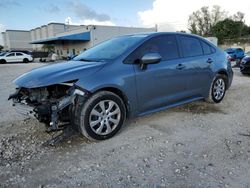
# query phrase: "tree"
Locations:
[[227, 29], [239, 16], [1, 48], [245, 31], [217, 14], [201, 21], [48, 47]]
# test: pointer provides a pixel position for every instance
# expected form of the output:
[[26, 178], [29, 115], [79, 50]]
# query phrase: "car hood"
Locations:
[[57, 73]]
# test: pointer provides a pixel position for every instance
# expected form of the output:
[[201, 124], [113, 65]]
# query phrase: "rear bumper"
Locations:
[[230, 77]]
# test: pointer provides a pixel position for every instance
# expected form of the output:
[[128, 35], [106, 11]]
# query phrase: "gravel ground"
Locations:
[[196, 145]]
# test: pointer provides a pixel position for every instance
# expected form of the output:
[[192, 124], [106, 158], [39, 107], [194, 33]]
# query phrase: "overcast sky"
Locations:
[[169, 15]]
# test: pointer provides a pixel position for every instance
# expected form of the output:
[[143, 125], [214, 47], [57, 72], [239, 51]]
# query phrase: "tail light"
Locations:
[[229, 58]]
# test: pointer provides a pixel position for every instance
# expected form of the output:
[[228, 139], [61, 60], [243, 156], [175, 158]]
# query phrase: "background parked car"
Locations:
[[12, 57], [23, 51], [245, 64], [235, 53], [2, 53]]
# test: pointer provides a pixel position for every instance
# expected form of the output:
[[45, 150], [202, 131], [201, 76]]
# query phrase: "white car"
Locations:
[[12, 57]]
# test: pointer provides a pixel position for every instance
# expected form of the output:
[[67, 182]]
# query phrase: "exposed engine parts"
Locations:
[[49, 105]]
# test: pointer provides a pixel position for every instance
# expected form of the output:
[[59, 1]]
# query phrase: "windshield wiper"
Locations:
[[91, 60], [87, 60]]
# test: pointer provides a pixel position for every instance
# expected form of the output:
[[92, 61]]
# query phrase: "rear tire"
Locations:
[[25, 60], [101, 116], [217, 89]]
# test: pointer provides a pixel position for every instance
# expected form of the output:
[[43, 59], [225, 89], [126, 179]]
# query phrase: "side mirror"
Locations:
[[149, 58]]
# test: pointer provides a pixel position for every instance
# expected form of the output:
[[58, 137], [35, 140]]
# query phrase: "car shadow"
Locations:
[[199, 108]]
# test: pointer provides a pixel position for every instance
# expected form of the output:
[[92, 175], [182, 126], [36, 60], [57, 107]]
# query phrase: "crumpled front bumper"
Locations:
[[51, 108], [23, 109]]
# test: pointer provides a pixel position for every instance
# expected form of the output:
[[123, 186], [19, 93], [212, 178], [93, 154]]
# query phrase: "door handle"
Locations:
[[210, 61], [180, 66]]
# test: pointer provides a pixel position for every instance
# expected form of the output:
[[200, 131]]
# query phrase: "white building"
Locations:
[[16, 39], [65, 38], [213, 40]]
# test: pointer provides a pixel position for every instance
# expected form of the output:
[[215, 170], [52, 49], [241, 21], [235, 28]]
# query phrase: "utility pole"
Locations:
[[156, 27]]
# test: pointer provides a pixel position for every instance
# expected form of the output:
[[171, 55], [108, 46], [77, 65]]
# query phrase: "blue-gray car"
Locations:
[[125, 77]]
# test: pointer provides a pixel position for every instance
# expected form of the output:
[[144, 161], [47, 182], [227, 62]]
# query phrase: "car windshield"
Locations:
[[229, 50], [2, 54], [110, 49]]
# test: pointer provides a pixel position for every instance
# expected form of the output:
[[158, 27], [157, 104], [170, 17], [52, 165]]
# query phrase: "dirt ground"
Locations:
[[196, 145]]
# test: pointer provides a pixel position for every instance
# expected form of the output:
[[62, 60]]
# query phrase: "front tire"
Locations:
[[2, 61], [101, 116], [218, 89]]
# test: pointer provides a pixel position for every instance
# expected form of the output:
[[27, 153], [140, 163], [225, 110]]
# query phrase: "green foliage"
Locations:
[[227, 29], [48, 48], [216, 23], [1, 48], [201, 21]]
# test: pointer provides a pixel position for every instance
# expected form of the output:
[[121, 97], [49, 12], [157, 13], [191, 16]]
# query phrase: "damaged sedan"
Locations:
[[124, 77]]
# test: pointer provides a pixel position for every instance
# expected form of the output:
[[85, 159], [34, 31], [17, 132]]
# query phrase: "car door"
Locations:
[[10, 57], [19, 57], [163, 83], [198, 56]]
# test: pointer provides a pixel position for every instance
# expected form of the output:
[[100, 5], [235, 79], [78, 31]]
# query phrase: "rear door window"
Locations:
[[190, 46], [19, 54]]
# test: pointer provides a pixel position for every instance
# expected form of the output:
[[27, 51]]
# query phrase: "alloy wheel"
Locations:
[[219, 89], [104, 117]]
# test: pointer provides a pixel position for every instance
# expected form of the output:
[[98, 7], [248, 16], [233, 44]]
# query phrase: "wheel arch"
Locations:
[[25, 59], [120, 93], [3, 60], [224, 72]]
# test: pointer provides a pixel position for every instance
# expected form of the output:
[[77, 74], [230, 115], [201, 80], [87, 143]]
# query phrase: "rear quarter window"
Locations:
[[207, 49]]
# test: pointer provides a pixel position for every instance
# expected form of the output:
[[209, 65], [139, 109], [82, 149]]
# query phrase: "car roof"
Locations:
[[17, 52], [7, 53], [152, 34], [161, 33]]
